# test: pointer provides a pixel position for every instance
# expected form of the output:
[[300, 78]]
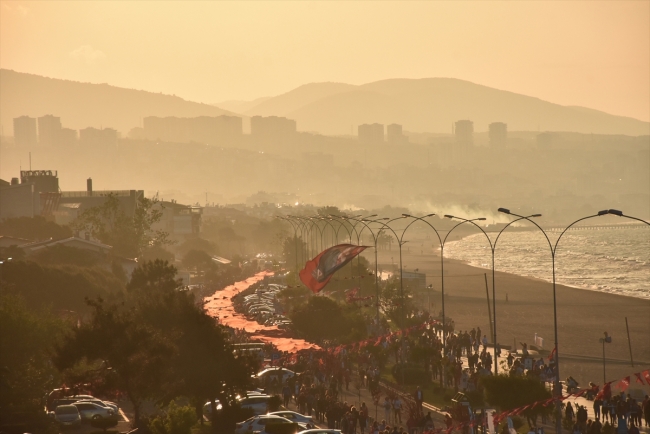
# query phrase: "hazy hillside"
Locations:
[[239, 106], [286, 103], [432, 105], [84, 104]]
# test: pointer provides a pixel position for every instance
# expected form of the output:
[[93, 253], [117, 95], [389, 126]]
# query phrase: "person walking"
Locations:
[[397, 407], [387, 408], [363, 417]]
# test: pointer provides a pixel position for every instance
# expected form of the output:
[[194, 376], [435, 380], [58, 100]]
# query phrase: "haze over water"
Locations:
[[615, 260]]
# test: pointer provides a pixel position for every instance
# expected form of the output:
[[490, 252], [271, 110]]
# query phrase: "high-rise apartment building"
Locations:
[[94, 137], [49, 128], [394, 134], [498, 134], [25, 131], [371, 133], [464, 134], [272, 128]]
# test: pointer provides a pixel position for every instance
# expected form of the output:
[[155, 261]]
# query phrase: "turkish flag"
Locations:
[[638, 378], [318, 272], [624, 383], [646, 375]]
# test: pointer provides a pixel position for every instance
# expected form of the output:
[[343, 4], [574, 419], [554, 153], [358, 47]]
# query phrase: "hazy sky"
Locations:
[[589, 53]]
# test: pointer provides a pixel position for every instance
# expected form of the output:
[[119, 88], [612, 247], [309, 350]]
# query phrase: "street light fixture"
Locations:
[[553, 247], [606, 340]]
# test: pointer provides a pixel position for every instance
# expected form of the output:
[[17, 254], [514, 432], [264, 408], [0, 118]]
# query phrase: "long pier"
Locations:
[[599, 227]]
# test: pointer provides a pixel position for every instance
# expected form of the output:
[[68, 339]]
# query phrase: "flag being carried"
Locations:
[[318, 272]]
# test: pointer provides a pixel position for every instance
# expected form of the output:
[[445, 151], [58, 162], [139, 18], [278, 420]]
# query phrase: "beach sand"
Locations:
[[583, 315]]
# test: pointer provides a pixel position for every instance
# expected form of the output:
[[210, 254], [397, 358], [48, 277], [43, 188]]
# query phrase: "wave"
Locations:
[[608, 260]]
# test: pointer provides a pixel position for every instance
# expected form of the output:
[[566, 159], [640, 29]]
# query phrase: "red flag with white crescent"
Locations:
[[624, 383], [318, 272], [638, 378], [646, 375]]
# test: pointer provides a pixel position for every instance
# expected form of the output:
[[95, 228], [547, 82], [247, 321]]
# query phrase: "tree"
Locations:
[[136, 356], [59, 254], [154, 276], [323, 318], [34, 228], [198, 244], [61, 287], [26, 374], [157, 344], [129, 235], [156, 252], [197, 259], [175, 420]]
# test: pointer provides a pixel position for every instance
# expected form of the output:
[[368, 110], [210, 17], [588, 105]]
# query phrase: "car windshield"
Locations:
[[66, 409]]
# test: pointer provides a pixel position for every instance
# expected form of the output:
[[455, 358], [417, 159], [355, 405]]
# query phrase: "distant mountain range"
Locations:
[[432, 105], [81, 105], [422, 105]]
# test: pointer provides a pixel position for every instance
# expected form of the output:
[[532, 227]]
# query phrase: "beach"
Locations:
[[582, 315]]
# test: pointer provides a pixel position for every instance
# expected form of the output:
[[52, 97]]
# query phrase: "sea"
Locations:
[[607, 259]]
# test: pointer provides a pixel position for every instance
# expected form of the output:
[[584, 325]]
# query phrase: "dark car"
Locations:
[[67, 416]]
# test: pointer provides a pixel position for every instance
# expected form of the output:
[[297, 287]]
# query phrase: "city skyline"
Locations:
[[595, 55]]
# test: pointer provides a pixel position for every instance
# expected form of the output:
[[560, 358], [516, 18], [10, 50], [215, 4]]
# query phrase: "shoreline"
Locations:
[[582, 314], [462, 236], [557, 282]]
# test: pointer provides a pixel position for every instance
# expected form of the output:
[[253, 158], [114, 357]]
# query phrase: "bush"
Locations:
[[413, 373], [176, 420]]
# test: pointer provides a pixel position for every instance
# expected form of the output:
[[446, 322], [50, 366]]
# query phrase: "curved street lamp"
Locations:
[[493, 246], [553, 248]]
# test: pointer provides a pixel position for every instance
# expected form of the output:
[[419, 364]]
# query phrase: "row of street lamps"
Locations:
[[306, 225]]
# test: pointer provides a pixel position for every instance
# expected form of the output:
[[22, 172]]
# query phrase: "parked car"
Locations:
[[90, 411], [106, 404], [269, 373], [294, 416], [259, 406], [320, 431], [258, 423], [258, 403], [66, 400], [67, 416]]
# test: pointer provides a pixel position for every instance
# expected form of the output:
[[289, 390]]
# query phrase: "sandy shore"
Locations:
[[583, 315]]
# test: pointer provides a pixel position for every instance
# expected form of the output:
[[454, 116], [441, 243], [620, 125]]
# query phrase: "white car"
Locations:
[[294, 417], [273, 372], [258, 423], [258, 403], [106, 404], [89, 411]]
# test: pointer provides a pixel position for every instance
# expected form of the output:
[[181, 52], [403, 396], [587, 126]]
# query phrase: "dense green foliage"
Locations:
[[175, 420], [33, 228], [59, 254], [156, 344], [129, 235], [61, 287], [323, 318], [26, 373]]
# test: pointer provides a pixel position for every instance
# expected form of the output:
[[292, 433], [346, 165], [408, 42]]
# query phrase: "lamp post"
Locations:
[[553, 247], [442, 262], [606, 340], [294, 225], [374, 238], [493, 246]]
